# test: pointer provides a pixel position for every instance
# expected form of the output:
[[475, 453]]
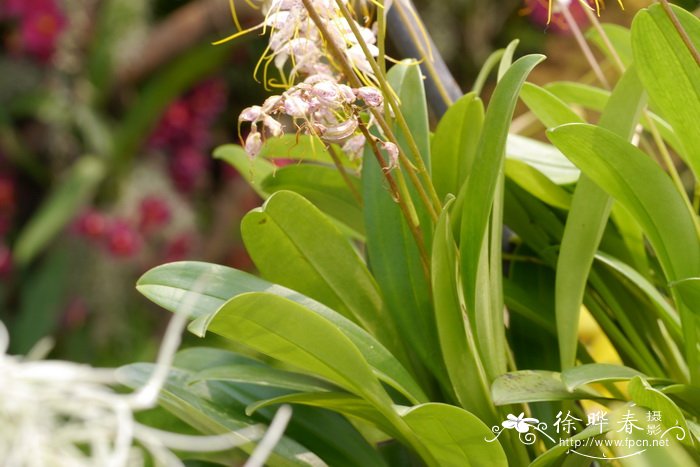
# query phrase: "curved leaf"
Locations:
[[595, 373], [341, 402], [284, 330], [454, 144], [535, 386], [638, 183], [459, 350], [587, 220], [203, 288], [325, 188], [254, 170], [454, 436], [480, 191], [669, 72], [295, 245]]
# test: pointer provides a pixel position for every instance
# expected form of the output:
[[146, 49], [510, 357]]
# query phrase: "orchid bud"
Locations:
[[271, 104], [250, 114], [273, 126], [338, 133], [253, 144], [327, 93], [347, 93], [371, 96], [353, 147], [296, 107], [393, 151]]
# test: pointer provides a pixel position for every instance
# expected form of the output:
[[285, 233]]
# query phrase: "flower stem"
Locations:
[[403, 125], [354, 81], [681, 31], [395, 193]]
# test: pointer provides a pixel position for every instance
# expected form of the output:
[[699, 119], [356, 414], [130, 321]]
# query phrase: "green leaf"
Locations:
[[590, 97], [596, 99], [689, 290], [209, 416], [537, 184], [547, 107], [459, 349], [295, 245], [340, 402], [669, 72], [578, 376], [620, 39], [641, 185], [480, 190], [327, 434], [393, 255], [454, 144], [543, 157], [687, 396], [535, 386], [286, 331], [261, 375], [61, 206], [665, 311], [406, 80], [644, 395], [454, 436], [486, 69], [301, 148], [586, 222], [325, 188], [507, 58], [200, 289], [254, 170]]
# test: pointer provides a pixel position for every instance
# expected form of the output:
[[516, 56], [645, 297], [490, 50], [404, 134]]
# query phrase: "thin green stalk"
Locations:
[[347, 69], [618, 339], [403, 125], [426, 55], [587, 52], [381, 39], [395, 193], [346, 178], [486, 69], [653, 367], [671, 167], [606, 40], [681, 30]]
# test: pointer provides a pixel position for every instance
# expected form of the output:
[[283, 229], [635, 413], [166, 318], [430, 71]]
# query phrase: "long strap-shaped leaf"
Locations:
[[647, 192], [479, 195], [457, 342], [590, 209]]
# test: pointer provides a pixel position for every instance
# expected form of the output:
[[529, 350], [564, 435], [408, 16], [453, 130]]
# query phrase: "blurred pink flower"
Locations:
[[154, 212], [178, 248], [91, 224], [123, 240], [538, 12], [40, 22], [5, 260], [7, 193]]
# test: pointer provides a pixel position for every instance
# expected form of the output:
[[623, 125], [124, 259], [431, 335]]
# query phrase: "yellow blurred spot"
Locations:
[[594, 339]]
